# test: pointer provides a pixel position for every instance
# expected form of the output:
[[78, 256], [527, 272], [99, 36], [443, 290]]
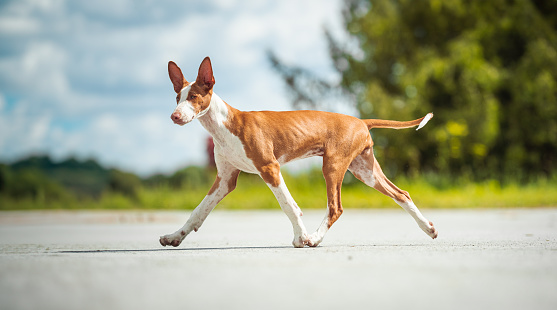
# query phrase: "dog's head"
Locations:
[[193, 98]]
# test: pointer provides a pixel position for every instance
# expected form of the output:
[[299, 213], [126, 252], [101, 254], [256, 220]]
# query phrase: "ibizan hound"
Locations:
[[260, 142]]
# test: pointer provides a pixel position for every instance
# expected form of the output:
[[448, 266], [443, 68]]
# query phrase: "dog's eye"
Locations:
[[177, 98], [192, 97]]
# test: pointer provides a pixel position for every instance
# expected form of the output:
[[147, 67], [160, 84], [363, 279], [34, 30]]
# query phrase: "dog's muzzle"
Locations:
[[178, 119]]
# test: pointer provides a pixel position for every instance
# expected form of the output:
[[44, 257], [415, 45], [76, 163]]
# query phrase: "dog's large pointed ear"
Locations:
[[205, 74], [176, 76]]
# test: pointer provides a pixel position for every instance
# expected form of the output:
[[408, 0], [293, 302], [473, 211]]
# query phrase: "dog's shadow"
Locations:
[[232, 248]]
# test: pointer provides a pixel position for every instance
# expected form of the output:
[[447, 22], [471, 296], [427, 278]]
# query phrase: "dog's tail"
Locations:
[[380, 123]]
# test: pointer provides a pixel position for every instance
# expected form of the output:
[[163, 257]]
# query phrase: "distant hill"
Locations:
[[83, 178], [39, 176]]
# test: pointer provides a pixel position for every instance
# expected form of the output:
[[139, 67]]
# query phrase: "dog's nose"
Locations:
[[176, 116]]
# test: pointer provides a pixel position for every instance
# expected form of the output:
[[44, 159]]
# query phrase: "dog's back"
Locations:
[[298, 134]]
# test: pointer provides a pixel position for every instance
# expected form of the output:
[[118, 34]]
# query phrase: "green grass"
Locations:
[[471, 195], [309, 192]]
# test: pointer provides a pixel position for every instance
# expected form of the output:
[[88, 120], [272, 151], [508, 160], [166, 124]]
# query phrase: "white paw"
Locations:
[[300, 241], [430, 230], [173, 239], [314, 240]]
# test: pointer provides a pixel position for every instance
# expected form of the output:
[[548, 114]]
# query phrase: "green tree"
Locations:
[[190, 177], [83, 178], [31, 184], [4, 172], [487, 69], [124, 183]]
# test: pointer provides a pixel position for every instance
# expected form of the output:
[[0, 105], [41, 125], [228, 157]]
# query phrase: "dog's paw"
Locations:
[[172, 239], [314, 240], [300, 241], [431, 231]]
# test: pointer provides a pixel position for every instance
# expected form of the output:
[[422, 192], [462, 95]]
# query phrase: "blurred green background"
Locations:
[[487, 69]]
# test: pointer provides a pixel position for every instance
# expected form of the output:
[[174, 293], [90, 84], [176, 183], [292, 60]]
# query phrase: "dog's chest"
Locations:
[[233, 151], [230, 147]]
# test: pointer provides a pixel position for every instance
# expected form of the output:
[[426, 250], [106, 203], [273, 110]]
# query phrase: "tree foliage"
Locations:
[[124, 183], [487, 69], [30, 183]]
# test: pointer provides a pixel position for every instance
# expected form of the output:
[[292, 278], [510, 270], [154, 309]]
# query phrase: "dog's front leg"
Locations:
[[224, 184], [276, 183]]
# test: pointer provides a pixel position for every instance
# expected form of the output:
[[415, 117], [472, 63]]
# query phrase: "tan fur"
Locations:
[[270, 139], [380, 123], [302, 132]]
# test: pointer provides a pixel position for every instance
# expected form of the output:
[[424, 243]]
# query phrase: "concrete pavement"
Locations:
[[483, 259]]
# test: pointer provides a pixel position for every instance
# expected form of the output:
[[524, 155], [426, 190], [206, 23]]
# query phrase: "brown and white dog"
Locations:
[[260, 142]]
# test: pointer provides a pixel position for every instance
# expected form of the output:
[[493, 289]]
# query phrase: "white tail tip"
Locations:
[[425, 120]]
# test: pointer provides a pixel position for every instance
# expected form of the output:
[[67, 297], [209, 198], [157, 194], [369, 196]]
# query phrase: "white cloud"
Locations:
[[18, 25], [23, 131], [89, 78]]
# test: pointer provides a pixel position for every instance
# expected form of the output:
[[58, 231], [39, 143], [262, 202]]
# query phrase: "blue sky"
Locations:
[[89, 78]]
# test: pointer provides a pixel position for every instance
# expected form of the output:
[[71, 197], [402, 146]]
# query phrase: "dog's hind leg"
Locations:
[[333, 171], [366, 168], [225, 182]]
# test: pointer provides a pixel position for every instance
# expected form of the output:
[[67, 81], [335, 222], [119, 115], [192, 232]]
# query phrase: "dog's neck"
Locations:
[[214, 120]]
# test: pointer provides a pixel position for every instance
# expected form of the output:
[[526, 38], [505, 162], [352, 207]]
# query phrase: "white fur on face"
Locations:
[[185, 108]]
